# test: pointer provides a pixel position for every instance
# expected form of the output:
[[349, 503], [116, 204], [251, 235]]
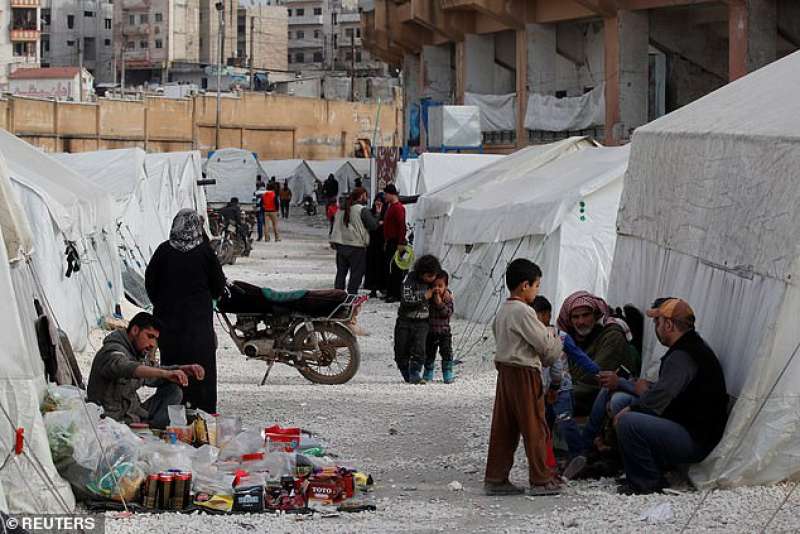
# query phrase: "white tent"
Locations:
[[235, 171], [710, 214], [69, 211], [29, 482], [148, 190], [437, 169], [344, 172], [301, 178], [434, 208], [554, 205]]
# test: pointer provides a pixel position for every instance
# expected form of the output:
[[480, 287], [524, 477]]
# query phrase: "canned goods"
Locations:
[[150, 495], [181, 489], [165, 484]]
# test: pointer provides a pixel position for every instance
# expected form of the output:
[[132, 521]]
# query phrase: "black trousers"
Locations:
[[395, 281], [353, 260], [409, 345], [443, 342], [285, 209]]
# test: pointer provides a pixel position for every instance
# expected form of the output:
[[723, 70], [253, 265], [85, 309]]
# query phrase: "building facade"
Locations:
[[61, 83], [20, 37], [75, 31], [640, 58]]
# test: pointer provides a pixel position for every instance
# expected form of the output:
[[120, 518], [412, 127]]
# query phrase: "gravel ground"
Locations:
[[415, 440]]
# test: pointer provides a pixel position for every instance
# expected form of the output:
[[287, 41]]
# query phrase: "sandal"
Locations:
[[544, 490]]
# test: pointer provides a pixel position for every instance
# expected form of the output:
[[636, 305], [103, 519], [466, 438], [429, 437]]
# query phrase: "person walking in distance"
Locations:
[[350, 238], [394, 234], [269, 203], [286, 198], [261, 188]]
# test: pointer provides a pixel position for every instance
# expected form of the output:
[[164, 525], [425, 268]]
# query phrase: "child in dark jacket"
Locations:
[[439, 336], [411, 328]]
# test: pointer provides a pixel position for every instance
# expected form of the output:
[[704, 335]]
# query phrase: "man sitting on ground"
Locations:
[[605, 339], [119, 369], [680, 418]]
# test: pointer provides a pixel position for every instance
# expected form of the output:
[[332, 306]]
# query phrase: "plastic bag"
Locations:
[[282, 439], [244, 443], [279, 464], [211, 480], [227, 429], [157, 456], [177, 415], [61, 398]]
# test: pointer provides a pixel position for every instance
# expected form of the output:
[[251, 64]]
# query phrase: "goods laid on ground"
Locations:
[[199, 462]]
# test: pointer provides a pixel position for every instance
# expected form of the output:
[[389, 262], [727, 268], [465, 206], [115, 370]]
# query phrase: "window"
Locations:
[[288, 12], [561, 94], [349, 32], [299, 58], [348, 56], [335, 19], [317, 57], [316, 34], [291, 59], [107, 42], [88, 14], [142, 44], [70, 21], [159, 17], [70, 43], [318, 11], [201, 42], [301, 35], [89, 49], [143, 19], [46, 17], [159, 44], [300, 12], [358, 57], [132, 19], [358, 33], [108, 24], [131, 45], [45, 44]]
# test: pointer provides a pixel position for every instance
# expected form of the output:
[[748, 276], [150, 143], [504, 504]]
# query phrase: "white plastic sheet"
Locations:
[[454, 126], [551, 114], [235, 171], [498, 112], [709, 214]]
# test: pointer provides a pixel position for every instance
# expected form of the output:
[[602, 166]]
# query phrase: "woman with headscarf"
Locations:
[[377, 268], [182, 279], [351, 228]]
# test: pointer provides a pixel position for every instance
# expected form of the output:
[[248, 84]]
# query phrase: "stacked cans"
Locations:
[[168, 490]]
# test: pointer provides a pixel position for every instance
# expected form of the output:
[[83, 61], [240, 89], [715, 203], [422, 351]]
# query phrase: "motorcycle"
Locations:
[[228, 241], [309, 205], [306, 330]]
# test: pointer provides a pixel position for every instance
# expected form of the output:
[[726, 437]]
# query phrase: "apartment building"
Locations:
[[20, 37]]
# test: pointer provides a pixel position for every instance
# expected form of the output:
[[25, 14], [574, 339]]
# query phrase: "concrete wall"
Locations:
[[273, 126], [437, 73]]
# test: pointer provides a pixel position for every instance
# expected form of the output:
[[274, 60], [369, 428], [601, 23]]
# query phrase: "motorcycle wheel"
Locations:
[[339, 354]]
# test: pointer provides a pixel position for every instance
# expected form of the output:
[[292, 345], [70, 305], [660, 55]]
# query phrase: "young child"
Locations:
[[411, 328], [439, 336], [560, 408], [523, 344]]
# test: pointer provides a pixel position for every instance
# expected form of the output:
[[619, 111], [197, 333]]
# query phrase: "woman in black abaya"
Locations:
[[182, 278]]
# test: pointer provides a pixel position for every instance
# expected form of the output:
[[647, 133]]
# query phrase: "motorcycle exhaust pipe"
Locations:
[[250, 350]]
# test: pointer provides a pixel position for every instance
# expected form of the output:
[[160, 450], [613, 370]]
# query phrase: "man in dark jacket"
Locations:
[[680, 418], [119, 369], [330, 189]]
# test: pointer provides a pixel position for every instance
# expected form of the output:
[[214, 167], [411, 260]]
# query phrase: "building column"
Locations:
[[461, 71], [411, 89], [521, 52], [627, 37], [752, 25]]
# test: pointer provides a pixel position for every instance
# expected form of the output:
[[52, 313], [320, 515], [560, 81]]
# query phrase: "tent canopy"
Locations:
[[296, 172], [437, 169], [344, 172], [709, 214], [235, 171]]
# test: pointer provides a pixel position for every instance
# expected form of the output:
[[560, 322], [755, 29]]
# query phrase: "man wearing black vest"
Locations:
[[680, 418]]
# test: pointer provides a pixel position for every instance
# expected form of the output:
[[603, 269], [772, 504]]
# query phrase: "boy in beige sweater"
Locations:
[[524, 344]]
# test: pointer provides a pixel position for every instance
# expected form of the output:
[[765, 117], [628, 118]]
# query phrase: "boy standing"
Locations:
[[411, 328], [439, 336], [523, 345]]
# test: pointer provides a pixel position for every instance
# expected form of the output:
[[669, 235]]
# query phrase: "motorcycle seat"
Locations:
[[283, 297]]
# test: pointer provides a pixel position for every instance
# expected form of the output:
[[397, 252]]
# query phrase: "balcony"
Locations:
[[306, 43], [137, 29], [24, 35], [24, 3], [307, 20], [349, 18]]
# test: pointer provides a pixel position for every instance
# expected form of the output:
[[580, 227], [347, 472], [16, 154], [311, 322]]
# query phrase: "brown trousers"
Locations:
[[518, 410], [271, 217]]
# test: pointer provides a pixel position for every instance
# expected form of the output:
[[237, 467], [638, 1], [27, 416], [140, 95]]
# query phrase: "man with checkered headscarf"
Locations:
[[606, 339]]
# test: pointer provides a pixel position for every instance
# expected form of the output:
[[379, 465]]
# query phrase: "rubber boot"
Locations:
[[427, 376]]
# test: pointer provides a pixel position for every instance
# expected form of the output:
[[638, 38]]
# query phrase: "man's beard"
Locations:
[[583, 332]]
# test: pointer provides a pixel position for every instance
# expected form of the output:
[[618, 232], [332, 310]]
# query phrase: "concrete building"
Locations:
[[20, 37], [152, 35], [61, 83], [262, 34], [309, 34], [71, 28], [640, 58]]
